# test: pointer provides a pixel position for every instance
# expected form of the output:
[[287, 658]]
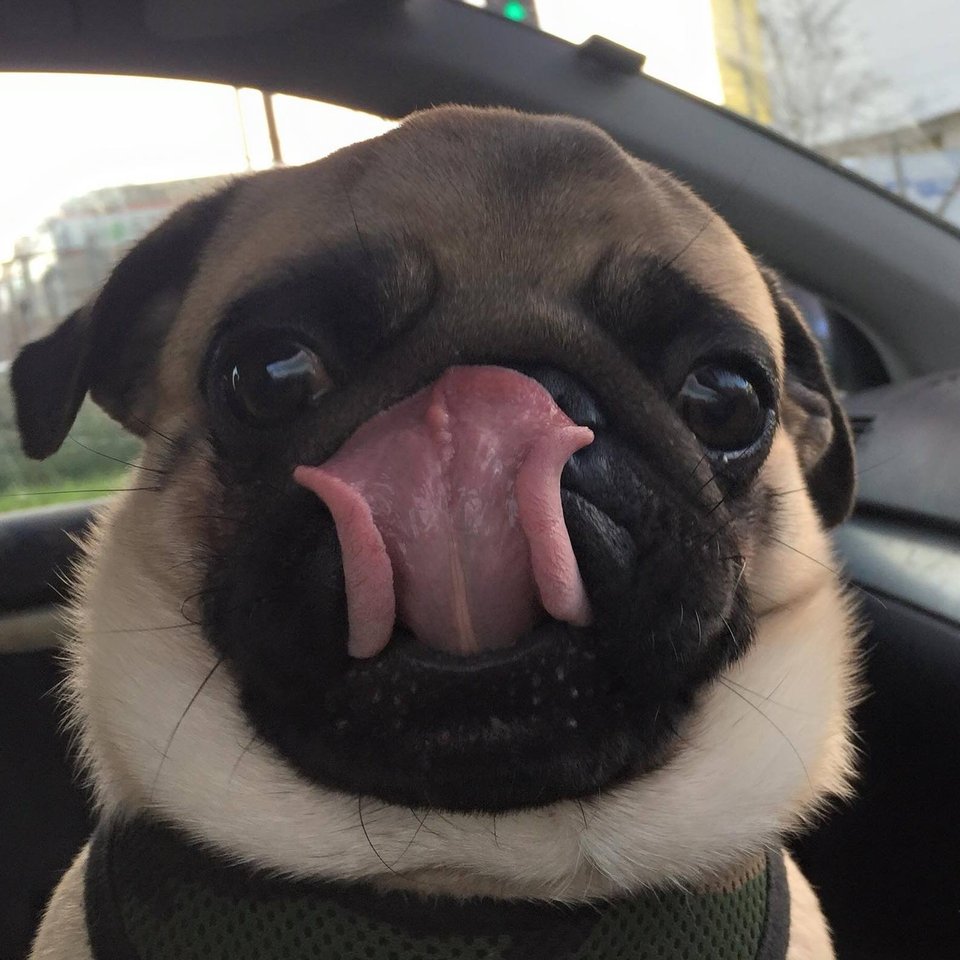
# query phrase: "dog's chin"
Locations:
[[542, 720], [551, 717]]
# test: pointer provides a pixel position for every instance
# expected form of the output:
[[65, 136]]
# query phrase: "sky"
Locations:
[[66, 135], [78, 133], [914, 47]]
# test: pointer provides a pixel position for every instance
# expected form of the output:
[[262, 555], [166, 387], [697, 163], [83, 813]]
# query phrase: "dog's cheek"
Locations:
[[170, 507], [788, 551], [273, 597]]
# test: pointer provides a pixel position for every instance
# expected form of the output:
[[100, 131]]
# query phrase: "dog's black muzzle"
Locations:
[[560, 714]]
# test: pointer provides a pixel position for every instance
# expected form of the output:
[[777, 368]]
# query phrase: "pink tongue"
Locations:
[[447, 507]]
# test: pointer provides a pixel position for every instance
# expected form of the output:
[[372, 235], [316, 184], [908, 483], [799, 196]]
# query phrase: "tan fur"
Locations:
[[63, 933], [760, 752], [809, 934], [370, 188]]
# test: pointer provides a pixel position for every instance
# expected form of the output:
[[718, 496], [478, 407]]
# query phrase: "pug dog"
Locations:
[[474, 581]]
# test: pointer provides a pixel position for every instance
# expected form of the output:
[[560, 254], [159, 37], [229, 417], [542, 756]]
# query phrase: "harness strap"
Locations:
[[152, 894]]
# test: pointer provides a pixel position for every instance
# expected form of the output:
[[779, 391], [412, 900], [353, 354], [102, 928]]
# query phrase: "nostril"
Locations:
[[569, 394], [587, 467]]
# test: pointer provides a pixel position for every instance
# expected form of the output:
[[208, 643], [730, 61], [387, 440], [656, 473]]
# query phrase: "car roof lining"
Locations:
[[187, 19], [839, 236]]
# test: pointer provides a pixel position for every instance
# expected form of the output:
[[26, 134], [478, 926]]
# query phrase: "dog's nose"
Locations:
[[571, 396]]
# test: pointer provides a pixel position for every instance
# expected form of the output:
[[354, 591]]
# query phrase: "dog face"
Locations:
[[488, 476]]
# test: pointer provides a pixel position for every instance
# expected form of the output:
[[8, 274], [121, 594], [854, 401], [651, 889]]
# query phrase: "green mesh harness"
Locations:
[[151, 895]]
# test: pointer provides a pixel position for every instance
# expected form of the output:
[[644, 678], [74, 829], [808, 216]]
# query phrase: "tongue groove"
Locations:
[[447, 507]]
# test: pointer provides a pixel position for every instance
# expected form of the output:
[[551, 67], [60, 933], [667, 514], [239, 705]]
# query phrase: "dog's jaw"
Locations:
[[162, 730]]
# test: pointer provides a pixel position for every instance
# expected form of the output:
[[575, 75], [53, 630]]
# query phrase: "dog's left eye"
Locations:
[[723, 408], [269, 380]]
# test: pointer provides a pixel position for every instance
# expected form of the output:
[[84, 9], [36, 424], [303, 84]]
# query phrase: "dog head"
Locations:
[[488, 474]]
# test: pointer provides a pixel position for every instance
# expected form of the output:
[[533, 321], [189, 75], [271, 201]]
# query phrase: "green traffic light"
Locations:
[[514, 10]]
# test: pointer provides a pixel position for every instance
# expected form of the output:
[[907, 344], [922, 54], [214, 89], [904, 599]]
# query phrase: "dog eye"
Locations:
[[723, 409], [271, 380]]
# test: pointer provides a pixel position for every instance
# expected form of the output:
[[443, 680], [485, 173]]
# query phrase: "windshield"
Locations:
[[99, 160], [871, 84]]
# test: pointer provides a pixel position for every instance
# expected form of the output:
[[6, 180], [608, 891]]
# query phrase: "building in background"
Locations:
[[740, 57], [871, 84], [919, 161], [66, 259]]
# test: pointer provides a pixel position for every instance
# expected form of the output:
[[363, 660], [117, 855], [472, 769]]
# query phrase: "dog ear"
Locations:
[[109, 346], [813, 415]]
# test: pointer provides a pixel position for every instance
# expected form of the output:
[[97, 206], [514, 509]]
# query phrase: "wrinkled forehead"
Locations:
[[486, 199]]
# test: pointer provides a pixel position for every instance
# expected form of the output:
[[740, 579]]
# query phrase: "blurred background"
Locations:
[[93, 162]]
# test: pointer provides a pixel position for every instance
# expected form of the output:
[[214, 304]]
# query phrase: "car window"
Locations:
[[873, 85], [97, 162], [101, 160]]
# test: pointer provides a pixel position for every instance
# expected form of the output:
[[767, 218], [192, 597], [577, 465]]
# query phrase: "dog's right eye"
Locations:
[[268, 380]]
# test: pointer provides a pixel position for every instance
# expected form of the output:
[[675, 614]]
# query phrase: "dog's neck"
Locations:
[[149, 885]]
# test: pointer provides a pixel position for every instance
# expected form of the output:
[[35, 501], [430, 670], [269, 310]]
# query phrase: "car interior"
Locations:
[[882, 278]]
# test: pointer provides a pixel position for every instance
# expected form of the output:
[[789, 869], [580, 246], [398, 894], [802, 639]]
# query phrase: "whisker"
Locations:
[[779, 729], [207, 591], [183, 563], [107, 456], [787, 493], [583, 814], [736, 643], [253, 739], [353, 214], [879, 463], [857, 473], [837, 573], [179, 723], [416, 833], [119, 630], [819, 563], [716, 506], [706, 484], [186, 622], [214, 516], [769, 697], [363, 827], [714, 216], [153, 429], [696, 466], [61, 493], [672, 727], [743, 570]]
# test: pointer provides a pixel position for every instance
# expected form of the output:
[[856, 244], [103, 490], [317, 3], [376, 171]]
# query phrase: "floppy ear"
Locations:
[[109, 346], [813, 415]]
